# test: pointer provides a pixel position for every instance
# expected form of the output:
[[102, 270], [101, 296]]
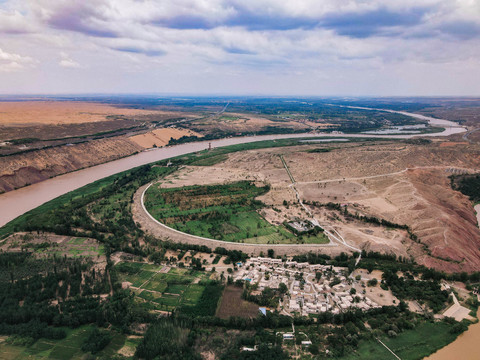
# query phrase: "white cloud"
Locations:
[[13, 22], [13, 62], [67, 62]]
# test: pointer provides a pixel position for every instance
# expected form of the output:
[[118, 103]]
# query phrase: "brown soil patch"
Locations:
[[450, 144], [61, 112], [233, 305], [240, 122], [128, 351], [161, 137]]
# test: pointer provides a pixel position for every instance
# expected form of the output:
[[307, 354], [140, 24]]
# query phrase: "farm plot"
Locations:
[[48, 245], [164, 291], [232, 304], [414, 344], [225, 212]]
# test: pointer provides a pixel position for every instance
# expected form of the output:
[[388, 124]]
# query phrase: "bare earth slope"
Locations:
[[402, 183], [444, 221], [160, 137], [28, 168], [41, 139]]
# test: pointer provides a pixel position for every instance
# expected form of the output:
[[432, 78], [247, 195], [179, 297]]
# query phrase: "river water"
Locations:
[[464, 348], [17, 202]]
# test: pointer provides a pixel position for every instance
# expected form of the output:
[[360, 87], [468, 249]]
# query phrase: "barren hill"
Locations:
[[31, 167], [402, 183]]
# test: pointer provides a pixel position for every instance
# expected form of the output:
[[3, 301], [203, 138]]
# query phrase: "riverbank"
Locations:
[[465, 347]]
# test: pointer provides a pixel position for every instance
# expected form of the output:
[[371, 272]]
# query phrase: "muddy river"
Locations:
[[17, 202], [464, 348]]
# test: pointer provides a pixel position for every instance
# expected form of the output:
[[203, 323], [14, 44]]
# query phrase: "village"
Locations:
[[311, 289]]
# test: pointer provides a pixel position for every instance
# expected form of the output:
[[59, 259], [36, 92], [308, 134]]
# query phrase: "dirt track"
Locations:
[[150, 226]]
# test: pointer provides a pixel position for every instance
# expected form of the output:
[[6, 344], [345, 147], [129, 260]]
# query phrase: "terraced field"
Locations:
[[163, 288]]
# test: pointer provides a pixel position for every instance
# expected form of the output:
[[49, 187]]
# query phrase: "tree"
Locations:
[[96, 341], [313, 349], [282, 288]]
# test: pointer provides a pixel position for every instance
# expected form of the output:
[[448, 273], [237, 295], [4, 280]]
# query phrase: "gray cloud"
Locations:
[[461, 29], [137, 50], [378, 22], [80, 18], [284, 39]]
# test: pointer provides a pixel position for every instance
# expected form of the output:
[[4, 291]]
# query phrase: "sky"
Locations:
[[241, 47]]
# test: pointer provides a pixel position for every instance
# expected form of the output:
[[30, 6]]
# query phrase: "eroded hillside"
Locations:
[[407, 185], [32, 167]]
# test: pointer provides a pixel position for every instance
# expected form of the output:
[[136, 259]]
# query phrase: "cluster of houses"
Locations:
[[312, 289]]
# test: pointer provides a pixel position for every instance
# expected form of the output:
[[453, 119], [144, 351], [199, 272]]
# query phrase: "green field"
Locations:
[[415, 344], [65, 349], [210, 160], [223, 212], [108, 199], [163, 291]]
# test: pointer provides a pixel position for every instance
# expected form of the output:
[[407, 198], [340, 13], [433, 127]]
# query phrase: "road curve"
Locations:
[[18, 202], [152, 226]]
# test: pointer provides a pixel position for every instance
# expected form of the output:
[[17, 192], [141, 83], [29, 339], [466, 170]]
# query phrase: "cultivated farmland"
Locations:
[[232, 304], [224, 212], [165, 289]]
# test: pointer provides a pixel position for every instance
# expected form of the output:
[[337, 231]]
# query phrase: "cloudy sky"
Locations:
[[277, 47]]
